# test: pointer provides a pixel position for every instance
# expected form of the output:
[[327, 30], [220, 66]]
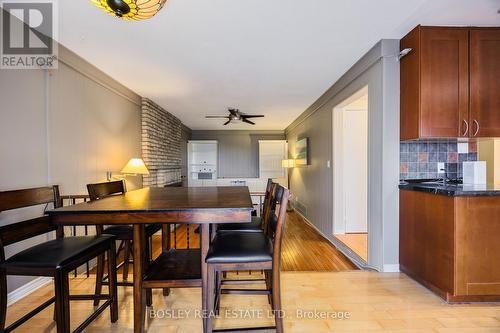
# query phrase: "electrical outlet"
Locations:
[[440, 168], [328, 164]]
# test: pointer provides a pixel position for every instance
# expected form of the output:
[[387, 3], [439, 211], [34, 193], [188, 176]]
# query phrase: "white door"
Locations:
[[355, 170]]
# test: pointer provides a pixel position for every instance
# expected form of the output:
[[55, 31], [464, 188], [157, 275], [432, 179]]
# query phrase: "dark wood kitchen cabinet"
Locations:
[[450, 244], [485, 80], [449, 85]]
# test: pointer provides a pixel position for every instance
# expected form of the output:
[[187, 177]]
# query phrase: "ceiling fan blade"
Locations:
[[234, 112], [227, 122], [217, 117], [252, 116], [247, 121]]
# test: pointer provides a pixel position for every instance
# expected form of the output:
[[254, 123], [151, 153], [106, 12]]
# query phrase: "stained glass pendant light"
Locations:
[[130, 9]]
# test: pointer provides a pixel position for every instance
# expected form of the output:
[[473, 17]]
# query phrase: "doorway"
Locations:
[[350, 140]]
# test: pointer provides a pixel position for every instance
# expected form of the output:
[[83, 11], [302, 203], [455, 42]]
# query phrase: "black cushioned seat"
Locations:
[[254, 226], [127, 231], [56, 253], [240, 247]]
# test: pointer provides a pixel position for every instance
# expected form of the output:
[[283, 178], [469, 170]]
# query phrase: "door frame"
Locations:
[[339, 225]]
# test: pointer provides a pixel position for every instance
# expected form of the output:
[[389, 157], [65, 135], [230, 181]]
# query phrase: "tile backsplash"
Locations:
[[419, 159]]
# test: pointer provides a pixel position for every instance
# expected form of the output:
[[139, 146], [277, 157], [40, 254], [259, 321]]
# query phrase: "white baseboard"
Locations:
[[394, 268], [27, 289]]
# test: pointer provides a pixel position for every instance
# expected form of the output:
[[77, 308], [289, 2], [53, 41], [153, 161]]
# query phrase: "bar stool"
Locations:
[[55, 258], [256, 224], [123, 233], [243, 251]]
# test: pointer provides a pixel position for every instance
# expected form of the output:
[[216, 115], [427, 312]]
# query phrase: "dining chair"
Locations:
[[243, 251], [55, 258], [123, 233], [68, 200], [256, 224]]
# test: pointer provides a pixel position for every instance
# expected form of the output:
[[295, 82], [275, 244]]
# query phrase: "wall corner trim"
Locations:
[[357, 68], [87, 69], [26, 289]]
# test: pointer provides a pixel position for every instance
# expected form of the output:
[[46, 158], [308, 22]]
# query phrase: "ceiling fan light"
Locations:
[[131, 9]]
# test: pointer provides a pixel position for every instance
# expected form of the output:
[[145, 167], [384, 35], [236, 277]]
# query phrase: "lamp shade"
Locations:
[[130, 9], [135, 166], [290, 163]]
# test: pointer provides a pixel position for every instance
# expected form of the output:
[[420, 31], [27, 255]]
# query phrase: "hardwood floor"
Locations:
[[356, 242], [304, 249], [376, 302]]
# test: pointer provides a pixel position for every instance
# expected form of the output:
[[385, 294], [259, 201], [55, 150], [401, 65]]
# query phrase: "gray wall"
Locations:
[[66, 126], [186, 135], [238, 150], [312, 186]]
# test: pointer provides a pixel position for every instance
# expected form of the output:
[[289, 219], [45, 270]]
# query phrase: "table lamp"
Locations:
[[134, 167], [290, 163]]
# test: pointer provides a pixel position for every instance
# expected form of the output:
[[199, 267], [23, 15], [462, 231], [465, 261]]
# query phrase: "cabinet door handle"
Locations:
[[466, 128], [477, 127]]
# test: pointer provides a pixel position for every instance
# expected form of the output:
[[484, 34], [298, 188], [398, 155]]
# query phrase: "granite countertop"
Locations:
[[453, 189]]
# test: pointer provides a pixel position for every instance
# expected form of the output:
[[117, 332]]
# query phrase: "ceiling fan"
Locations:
[[236, 116]]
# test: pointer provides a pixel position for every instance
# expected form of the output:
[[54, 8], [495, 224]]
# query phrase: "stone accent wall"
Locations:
[[161, 145]]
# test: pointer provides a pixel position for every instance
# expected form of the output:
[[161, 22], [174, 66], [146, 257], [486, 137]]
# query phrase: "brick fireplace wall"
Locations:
[[162, 145]]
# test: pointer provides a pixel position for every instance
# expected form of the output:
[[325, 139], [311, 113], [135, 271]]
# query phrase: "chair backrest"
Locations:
[[275, 219], [269, 188], [99, 191], [268, 204], [269, 185], [19, 231], [102, 190]]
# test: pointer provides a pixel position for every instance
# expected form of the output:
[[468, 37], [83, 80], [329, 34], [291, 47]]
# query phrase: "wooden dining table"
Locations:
[[205, 206]]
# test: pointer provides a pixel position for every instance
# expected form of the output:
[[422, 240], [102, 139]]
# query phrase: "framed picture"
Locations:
[[302, 152]]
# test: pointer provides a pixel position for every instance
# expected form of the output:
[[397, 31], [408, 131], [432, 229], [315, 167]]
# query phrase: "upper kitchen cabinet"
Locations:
[[434, 83], [485, 81], [448, 88]]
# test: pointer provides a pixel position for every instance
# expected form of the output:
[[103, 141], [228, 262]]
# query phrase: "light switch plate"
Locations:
[[440, 168]]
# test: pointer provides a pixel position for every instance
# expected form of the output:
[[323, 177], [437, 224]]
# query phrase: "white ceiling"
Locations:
[[273, 57]]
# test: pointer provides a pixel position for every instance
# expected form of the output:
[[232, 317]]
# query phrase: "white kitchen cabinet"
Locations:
[[202, 163], [195, 183], [210, 182]]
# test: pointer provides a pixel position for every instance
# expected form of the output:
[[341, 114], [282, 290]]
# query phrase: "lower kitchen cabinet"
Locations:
[[451, 244]]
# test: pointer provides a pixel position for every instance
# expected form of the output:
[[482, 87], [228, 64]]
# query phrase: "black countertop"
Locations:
[[453, 189]]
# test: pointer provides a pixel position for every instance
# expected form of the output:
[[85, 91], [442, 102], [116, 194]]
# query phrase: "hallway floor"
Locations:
[[358, 243], [304, 249]]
